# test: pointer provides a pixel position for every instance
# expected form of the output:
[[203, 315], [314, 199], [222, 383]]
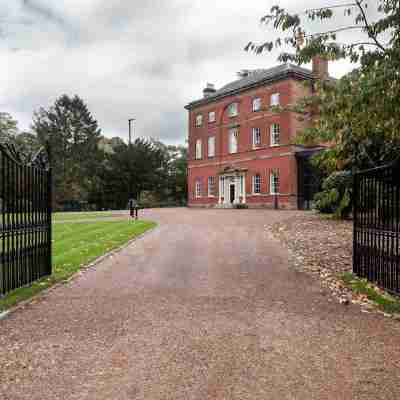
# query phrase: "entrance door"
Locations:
[[232, 193]]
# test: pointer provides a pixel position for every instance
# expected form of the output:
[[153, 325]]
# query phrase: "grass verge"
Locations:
[[76, 245], [384, 301]]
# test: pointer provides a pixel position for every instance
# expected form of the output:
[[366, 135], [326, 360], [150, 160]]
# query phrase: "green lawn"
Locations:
[[76, 245], [67, 216]]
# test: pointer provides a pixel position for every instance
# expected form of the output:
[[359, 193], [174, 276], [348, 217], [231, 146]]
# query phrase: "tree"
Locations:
[[73, 136], [357, 114], [381, 36], [128, 171], [8, 127]]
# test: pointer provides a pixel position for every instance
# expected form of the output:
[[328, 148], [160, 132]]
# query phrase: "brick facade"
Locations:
[[238, 176]]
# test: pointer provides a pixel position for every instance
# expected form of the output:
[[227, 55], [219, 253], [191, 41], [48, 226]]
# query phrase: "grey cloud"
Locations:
[[43, 11], [142, 59]]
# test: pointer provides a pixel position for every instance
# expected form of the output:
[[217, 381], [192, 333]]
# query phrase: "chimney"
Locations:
[[209, 90], [320, 67]]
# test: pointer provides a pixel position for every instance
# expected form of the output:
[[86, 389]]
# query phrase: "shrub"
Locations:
[[335, 197]]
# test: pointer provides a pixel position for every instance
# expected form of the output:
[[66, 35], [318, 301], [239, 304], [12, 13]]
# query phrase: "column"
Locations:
[[237, 189], [220, 190], [244, 188]]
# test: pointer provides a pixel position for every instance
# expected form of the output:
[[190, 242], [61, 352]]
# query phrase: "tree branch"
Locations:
[[331, 7], [368, 26], [333, 31]]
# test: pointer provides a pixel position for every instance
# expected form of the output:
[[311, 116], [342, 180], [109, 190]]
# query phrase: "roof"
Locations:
[[255, 78]]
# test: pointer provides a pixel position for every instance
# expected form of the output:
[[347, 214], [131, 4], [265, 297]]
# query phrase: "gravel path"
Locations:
[[204, 307]]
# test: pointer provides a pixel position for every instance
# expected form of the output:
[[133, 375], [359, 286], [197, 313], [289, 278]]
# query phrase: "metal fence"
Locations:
[[25, 219], [377, 226]]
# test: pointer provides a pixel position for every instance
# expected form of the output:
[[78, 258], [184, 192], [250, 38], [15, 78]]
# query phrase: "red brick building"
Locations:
[[240, 152]]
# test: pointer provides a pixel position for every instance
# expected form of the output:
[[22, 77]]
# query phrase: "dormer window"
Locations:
[[275, 99], [233, 110], [256, 104], [199, 120]]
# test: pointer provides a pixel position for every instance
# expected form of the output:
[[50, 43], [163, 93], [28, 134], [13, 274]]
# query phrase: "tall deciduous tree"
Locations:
[[73, 136], [357, 114]]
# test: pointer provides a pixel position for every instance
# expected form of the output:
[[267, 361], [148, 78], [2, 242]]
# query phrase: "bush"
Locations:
[[241, 206], [335, 197]]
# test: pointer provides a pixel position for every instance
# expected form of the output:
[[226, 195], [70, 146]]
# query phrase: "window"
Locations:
[[257, 184], [211, 146], [275, 134], [211, 116], [233, 140], [198, 149], [199, 120], [256, 137], [222, 186], [198, 188], [241, 185], [256, 104], [233, 110], [275, 99], [274, 182], [211, 186]]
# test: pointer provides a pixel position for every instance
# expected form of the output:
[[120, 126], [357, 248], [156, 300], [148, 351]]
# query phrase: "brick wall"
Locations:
[[255, 161]]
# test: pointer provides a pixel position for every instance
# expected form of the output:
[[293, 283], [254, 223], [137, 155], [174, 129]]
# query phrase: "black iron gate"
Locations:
[[376, 254], [25, 224]]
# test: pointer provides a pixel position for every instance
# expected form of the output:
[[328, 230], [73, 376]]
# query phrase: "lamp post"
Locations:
[[131, 200], [130, 133]]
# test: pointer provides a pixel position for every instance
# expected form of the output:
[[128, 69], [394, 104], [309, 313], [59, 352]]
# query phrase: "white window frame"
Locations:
[[211, 139], [233, 110], [256, 134], [198, 191], [256, 104], [199, 149], [199, 120], [275, 135], [274, 182], [211, 186], [275, 99], [211, 116], [257, 183], [233, 145]]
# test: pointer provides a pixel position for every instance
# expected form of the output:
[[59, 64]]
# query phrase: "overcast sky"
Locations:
[[126, 58]]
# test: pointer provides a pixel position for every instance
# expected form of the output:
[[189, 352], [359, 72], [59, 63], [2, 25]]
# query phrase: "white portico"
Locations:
[[232, 187]]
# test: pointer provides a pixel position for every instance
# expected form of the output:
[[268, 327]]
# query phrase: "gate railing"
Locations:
[[376, 252], [25, 218]]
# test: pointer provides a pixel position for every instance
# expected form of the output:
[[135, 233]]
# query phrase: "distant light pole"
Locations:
[[130, 132], [131, 201]]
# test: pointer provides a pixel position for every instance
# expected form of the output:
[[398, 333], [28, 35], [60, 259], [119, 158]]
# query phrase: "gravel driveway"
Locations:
[[204, 307]]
